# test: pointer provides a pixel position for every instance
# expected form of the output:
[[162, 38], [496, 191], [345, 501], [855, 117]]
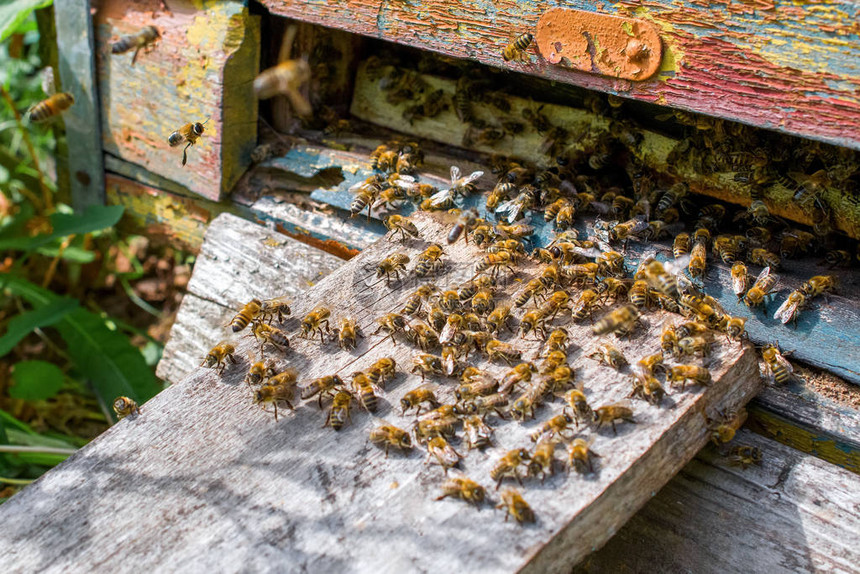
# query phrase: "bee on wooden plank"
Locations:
[[516, 50], [145, 38], [124, 406]]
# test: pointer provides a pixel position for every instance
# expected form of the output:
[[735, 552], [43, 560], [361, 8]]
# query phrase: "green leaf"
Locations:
[[95, 218], [22, 325], [71, 253], [36, 380], [14, 12], [115, 366]]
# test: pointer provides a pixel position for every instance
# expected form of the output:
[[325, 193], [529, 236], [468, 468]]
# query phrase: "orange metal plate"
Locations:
[[612, 46]]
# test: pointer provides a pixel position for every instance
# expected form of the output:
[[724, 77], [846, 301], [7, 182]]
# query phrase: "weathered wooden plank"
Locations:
[[75, 41], [201, 69], [793, 513], [826, 336], [584, 127], [239, 261], [268, 494], [779, 65]]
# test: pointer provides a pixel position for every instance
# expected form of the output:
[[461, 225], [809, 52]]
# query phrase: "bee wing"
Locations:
[[449, 364], [441, 197], [511, 208], [48, 85], [739, 285], [447, 333], [471, 177], [761, 276], [455, 174], [786, 311], [357, 186], [447, 455], [590, 252], [301, 106]]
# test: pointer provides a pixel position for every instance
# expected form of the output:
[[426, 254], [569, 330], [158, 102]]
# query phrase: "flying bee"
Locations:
[[338, 413], [744, 456], [791, 307], [322, 387], [543, 458], [51, 107], [388, 435], [414, 302], [516, 506], [314, 322], [347, 331], [580, 456], [516, 50], [608, 354], [428, 259], [498, 350], [444, 454], [619, 321], [764, 258], [777, 369], [392, 265], [681, 245], [508, 466], [467, 219], [259, 372], [188, 133], [553, 428], [740, 278], [762, 287], [662, 276], [143, 39], [683, 373], [459, 186], [248, 313], [400, 224], [218, 357], [608, 414], [287, 79], [280, 388], [272, 335], [124, 406], [463, 488], [724, 428]]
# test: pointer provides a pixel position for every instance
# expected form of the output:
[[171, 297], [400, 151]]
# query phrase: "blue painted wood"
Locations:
[[827, 335]]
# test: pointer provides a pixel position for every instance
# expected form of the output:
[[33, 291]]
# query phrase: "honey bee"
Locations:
[[744, 456], [382, 370], [144, 38], [322, 387], [727, 248], [496, 350], [347, 331], [388, 435], [736, 328], [626, 230], [338, 414], [124, 406], [661, 277], [791, 307], [189, 133], [818, 285], [416, 397], [467, 219], [51, 107], [520, 374], [580, 456], [272, 335], [248, 313], [413, 303], [608, 414], [390, 324], [691, 328], [478, 433], [218, 357], [724, 428], [495, 262], [516, 506], [776, 367], [683, 373], [639, 293], [392, 265], [259, 372], [485, 404], [499, 318], [675, 193], [740, 278], [279, 389], [762, 287], [478, 385], [286, 79], [365, 392], [693, 346], [530, 289], [681, 245], [463, 488], [553, 428], [425, 364], [444, 454], [669, 340], [421, 334], [436, 317], [698, 260], [459, 186], [575, 399], [508, 466], [558, 340], [764, 258], [608, 354], [585, 305], [619, 321], [482, 302], [278, 307], [543, 458], [516, 50], [651, 364], [399, 224], [647, 388], [524, 405], [533, 321]]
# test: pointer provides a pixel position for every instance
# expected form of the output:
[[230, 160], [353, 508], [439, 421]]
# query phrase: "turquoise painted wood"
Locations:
[[827, 335]]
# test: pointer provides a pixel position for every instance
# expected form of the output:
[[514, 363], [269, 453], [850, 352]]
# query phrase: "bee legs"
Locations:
[[185, 154]]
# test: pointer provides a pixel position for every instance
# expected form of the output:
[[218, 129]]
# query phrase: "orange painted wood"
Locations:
[[778, 64]]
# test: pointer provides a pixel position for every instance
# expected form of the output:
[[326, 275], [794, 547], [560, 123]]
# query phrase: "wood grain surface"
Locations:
[[776, 64], [201, 69], [221, 485]]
